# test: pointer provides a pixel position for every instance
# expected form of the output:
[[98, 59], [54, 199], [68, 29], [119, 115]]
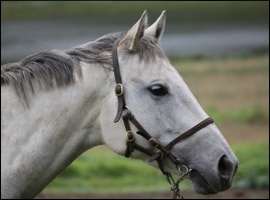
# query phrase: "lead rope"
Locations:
[[175, 185]]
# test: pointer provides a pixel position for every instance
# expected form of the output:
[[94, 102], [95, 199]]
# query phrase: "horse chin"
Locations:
[[200, 185]]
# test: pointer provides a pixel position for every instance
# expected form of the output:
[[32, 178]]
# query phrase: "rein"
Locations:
[[125, 113]]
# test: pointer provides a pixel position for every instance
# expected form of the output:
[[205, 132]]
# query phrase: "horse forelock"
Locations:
[[57, 68], [149, 50]]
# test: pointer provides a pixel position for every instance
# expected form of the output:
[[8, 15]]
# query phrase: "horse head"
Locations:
[[164, 108]]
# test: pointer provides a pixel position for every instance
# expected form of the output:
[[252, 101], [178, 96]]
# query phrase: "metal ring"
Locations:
[[153, 139], [127, 108], [130, 140], [121, 89], [183, 169], [127, 113], [158, 151]]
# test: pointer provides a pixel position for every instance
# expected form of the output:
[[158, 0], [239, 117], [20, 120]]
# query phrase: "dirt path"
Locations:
[[231, 194]]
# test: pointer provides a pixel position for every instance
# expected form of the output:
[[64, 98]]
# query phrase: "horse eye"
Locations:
[[158, 90]]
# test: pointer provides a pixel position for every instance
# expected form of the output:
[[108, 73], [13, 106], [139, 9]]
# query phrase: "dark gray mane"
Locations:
[[57, 68]]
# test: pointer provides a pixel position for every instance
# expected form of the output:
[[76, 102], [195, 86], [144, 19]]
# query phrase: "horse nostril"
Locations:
[[226, 168]]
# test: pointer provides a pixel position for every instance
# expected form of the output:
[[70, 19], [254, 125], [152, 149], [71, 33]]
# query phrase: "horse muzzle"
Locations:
[[218, 181]]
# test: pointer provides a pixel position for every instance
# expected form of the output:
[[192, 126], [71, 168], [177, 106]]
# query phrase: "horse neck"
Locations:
[[59, 125]]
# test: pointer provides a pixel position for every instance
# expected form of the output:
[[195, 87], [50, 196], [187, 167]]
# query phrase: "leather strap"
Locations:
[[119, 89], [190, 132]]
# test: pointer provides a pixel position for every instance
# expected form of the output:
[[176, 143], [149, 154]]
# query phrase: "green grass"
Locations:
[[253, 169], [243, 115], [106, 172], [233, 88]]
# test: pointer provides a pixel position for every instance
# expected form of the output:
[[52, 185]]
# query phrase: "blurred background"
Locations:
[[221, 49], [193, 28]]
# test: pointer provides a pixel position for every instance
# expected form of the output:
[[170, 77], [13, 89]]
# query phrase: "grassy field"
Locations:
[[234, 91]]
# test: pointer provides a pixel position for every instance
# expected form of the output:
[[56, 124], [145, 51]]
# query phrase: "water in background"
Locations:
[[21, 38]]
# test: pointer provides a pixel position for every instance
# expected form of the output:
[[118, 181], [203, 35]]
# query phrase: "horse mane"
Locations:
[[57, 68]]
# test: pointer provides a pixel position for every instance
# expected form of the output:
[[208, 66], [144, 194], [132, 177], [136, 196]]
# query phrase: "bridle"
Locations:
[[162, 151]]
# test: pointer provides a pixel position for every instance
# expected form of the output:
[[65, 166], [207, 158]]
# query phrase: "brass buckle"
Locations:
[[130, 140], [155, 141], [117, 92], [161, 157]]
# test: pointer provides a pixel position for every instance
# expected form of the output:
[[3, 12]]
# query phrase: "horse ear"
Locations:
[[136, 32], [156, 30]]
